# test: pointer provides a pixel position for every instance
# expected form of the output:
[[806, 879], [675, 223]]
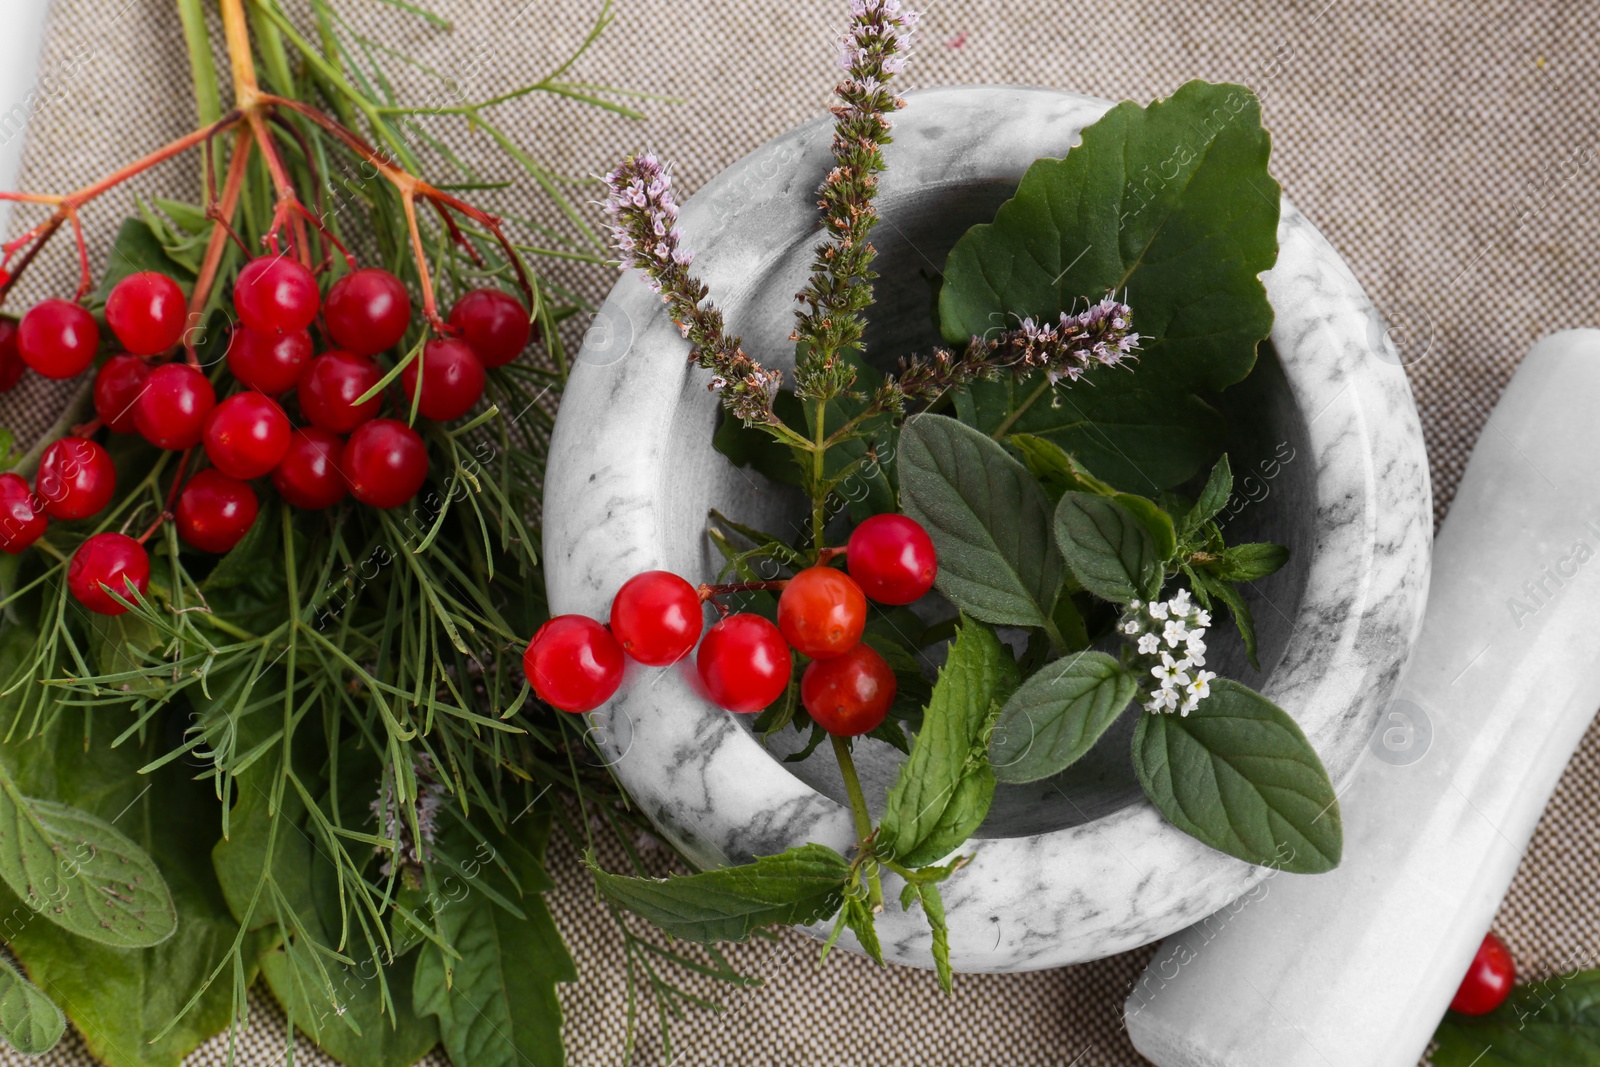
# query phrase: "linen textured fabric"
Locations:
[[1447, 148]]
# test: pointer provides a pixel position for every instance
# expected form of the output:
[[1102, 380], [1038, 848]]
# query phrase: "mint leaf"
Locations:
[[1207, 586], [1246, 563], [1213, 498], [1057, 715], [29, 1020], [1556, 1021], [988, 519], [1171, 203], [497, 1003], [945, 787], [138, 248], [801, 885], [858, 916], [1107, 547], [1059, 472], [1237, 774], [933, 907]]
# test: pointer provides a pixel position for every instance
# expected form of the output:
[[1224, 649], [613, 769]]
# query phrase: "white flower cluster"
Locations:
[[1170, 639]]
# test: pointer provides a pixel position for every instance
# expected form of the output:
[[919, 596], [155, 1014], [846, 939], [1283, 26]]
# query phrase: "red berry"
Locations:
[[117, 386], [58, 338], [385, 462], [308, 476], [76, 478], [11, 365], [849, 694], [147, 312], [1489, 979], [246, 435], [494, 323], [744, 663], [822, 612], [452, 380], [275, 294], [270, 362], [215, 511], [892, 558], [573, 663], [22, 517], [172, 410], [657, 617], [108, 561], [367, 311], [332, 384]]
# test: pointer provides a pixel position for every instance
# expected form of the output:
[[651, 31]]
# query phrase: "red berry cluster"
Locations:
[[341, 446], [744, 662]]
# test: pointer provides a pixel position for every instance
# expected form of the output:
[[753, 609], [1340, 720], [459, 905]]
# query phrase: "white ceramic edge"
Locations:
[[1031, 902]]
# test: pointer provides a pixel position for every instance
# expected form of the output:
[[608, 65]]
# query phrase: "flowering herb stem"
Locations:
[[862, 817]]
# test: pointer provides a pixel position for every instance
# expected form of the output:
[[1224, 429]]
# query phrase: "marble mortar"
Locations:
[[1328, 456]]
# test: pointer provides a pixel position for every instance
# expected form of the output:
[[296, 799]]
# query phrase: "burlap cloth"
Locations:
[[1445, 148]]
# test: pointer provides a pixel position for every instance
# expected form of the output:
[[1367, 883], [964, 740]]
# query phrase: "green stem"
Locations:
[[1011, 419], [863, 818], [819, 492]]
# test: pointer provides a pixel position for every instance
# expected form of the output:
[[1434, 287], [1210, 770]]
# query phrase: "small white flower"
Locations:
[[1131, 627], [1135, 603], [1158, 611], [1166, 700], [1149, 645], [1202, 619], [1171, 673], [1196, 646], [1189, 704], [1200, 688], [1175, 632], [1180, 602]]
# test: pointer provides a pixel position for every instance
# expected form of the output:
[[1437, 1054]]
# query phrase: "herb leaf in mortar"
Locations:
[[1237, 773], [1170, 203]]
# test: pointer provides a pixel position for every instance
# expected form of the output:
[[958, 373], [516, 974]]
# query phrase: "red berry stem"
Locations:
[[172, 496], [709, 593], [828, 555]]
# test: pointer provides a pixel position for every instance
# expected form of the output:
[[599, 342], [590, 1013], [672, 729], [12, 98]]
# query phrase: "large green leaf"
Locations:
[[1170, 204], [945, 787], [29, 1020], [118, 998], [988, 518], [497, 1003], [1556, 1021], [349, 1020], [802, 885], [1057, 715], [1108, 547], [81, 873], [1238, 774]]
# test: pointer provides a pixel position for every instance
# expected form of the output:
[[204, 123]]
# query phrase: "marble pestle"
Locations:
[[1356, 967]]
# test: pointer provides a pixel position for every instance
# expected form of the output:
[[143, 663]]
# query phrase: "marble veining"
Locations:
[[632, 475]]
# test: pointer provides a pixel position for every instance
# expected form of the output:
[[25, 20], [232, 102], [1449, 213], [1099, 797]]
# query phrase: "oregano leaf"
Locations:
[[1057, 715], [1237, 774], [29, 1020], [82, 873]]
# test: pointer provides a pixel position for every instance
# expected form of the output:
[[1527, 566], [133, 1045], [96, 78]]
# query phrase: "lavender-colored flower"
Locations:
[[1100, 335], [872, 51], [644, 216], [411, 851]]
